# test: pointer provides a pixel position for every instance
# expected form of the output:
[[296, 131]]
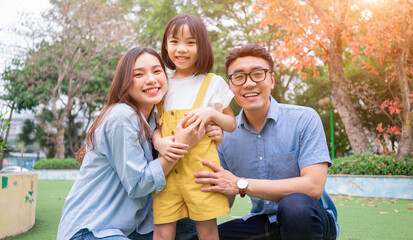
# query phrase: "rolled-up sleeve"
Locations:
[[138, 176], [158, 175]]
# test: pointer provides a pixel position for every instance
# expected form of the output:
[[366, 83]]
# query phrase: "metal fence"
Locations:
[[25, 160]]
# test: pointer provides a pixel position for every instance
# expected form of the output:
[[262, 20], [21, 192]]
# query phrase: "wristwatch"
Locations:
[[242, 185]]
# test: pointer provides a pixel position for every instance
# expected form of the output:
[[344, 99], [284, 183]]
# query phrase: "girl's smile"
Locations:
[[182, 50]]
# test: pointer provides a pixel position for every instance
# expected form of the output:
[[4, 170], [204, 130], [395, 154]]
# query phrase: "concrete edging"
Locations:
[[371, 186], [57, 174], [354, 185]]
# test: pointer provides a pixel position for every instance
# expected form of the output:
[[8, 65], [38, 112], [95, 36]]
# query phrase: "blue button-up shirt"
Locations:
[[291, 138], [112, 194]]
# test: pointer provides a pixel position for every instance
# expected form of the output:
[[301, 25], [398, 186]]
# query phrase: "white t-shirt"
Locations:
[[182, 93]]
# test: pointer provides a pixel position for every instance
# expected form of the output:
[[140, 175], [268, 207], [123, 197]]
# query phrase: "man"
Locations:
[[277, 155]]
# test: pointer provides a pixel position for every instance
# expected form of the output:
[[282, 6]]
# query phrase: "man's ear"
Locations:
[[229, 84], [272, 80]]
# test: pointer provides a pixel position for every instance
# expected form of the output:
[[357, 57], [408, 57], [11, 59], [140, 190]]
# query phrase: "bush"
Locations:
[[371, 164], [53, 163]]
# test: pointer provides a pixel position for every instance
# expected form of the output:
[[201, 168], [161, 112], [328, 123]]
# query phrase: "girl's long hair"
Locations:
[[119, 93]]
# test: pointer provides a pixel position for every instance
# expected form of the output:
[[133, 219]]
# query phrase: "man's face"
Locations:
[[252, 96]]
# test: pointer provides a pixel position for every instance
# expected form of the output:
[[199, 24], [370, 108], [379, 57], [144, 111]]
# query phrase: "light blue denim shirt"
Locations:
[[292, 137], [112, 194]]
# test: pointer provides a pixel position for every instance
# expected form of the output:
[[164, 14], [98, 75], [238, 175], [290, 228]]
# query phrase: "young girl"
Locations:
[[111, 198], [203, 98]]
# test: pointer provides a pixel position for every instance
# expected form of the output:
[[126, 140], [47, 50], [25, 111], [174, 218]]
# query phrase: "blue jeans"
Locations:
[[185, 230], [299, 216]]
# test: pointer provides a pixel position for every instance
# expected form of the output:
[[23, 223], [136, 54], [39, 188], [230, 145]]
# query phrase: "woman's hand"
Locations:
[[167, 147], [215, 132], [171, 150]]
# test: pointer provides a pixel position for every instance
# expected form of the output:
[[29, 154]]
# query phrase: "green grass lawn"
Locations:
[[359, 218]]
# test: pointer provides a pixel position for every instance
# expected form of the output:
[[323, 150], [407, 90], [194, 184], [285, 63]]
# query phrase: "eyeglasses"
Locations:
[[257, 75]]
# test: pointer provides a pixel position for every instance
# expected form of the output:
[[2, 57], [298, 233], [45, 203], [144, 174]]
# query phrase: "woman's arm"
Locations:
[[131, 158]]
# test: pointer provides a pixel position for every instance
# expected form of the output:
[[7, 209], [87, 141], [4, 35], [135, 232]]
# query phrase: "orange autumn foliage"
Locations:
[[308, 27]]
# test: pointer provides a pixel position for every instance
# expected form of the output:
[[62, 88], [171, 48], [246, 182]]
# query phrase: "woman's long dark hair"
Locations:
[[119, 93]]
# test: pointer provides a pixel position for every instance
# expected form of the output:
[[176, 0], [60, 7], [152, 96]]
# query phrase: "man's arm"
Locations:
[[311, 182]]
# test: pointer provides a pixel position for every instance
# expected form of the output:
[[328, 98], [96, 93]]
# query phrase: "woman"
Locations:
[[111, 198]]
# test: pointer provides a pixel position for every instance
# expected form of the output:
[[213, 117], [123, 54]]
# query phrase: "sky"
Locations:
[[10, 16]]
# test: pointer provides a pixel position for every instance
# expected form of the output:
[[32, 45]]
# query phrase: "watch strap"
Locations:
[[241, 192]]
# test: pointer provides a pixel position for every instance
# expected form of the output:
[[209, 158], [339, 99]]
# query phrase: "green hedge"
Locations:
[[53, 163], [371, 164]]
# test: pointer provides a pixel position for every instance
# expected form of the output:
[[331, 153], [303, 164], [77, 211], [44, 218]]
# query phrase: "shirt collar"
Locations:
[[273, 113], [152, 119]]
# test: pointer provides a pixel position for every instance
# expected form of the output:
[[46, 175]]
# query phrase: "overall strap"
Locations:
[[202, 91], [159, 106]]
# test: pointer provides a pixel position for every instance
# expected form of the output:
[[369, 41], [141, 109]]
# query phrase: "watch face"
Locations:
[[242, 183]]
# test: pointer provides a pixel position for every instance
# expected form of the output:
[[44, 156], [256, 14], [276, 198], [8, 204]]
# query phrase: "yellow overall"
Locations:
[[181, 196]]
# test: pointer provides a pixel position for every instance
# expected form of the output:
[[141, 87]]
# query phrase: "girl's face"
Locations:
[[149, 83], [182, 50]]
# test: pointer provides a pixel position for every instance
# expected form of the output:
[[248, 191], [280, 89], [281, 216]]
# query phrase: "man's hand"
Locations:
[[221, 180]]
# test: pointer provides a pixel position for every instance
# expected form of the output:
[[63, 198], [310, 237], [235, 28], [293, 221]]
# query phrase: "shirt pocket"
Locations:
[[284, 165]]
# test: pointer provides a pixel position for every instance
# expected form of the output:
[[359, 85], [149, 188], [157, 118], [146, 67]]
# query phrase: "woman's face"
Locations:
[[149, 83]]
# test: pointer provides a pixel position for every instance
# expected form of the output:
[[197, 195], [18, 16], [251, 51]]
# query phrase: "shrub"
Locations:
[[372, 164], [53, 163]]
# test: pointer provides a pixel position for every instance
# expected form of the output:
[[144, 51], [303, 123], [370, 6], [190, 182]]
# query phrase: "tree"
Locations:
[[81, 37], [315, 31], [18, 95], [153, 16], [309, 93], [3, 143], [230, 24], [387, 35], [33, 133]]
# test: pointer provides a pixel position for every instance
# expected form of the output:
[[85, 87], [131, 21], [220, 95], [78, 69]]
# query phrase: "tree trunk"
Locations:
[[7, 135], [352, 122], [411, 143], [400, 57], [60, 143]]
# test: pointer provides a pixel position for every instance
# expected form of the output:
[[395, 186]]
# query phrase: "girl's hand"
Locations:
[[190, 134], [215, 133], [172, 151], [200, 116]]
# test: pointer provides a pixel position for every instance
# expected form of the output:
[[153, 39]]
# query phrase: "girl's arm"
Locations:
[[214, 132], [202, 116]]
